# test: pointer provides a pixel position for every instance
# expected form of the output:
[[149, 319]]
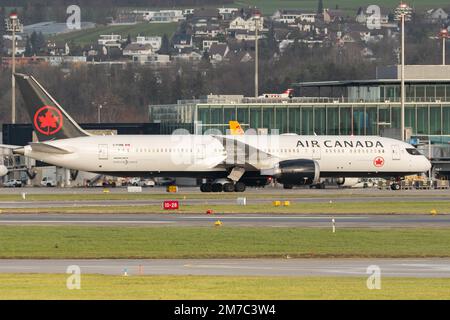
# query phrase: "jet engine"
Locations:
[[3, 171], [296, 172]]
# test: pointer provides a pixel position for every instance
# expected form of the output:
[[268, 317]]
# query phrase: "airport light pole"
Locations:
[[257, 21], [402, 13], [99, 109], [444, 35], [13, 25]]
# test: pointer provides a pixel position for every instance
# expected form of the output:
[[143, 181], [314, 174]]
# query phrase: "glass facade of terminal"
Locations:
[[391, 92], [357, 108], [329, 118]]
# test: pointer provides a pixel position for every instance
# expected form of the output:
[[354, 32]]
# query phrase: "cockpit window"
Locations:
[[413, 151]]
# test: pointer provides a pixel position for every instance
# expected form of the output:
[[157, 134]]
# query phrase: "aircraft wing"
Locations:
[[9, 146], [242, 154], [47, 148]]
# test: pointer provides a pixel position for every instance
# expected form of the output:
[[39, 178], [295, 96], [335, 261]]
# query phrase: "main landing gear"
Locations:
[[225, 187], [396, 184]]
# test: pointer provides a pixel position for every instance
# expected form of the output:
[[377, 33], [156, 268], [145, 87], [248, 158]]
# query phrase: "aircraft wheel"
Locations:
[[395, 186], [239, 187], [228, 187], [206, 187], [217, 187]]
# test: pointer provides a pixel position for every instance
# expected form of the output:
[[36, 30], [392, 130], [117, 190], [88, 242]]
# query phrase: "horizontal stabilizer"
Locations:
[[47, 148]]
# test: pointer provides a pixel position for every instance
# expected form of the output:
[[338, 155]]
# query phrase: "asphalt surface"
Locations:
[[111, 203], [415, 268], [252, 220], [250, 190]]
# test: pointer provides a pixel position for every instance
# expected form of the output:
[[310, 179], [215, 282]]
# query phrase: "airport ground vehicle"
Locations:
[[13, 183], [138, 182], [228, 162], [48, 182]]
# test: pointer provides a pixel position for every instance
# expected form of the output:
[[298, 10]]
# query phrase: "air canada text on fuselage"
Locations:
[[339, 144]]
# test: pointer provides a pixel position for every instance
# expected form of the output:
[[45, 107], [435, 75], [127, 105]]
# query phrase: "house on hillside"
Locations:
[[163, 16], [436, 15], [249, 24], [188, 54], [228, 13], [58, 48], [182, 41], [246, 35], [137, 50], [155, 42], [241, 56], [218, 52], [332, 16], [110, 40], [293, 16], [20, 47], [206, 44]]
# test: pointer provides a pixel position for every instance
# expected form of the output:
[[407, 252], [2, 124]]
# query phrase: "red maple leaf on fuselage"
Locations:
[[48, 121]]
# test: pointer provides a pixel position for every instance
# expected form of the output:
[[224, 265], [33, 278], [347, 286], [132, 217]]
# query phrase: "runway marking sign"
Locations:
[[171, 205]]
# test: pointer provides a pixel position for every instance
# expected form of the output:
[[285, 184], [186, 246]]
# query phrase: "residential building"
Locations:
[[436, 15], [208, 43], [293, 16], [250, 24], [182, 41], [218, 52], [137, 49], [163, 16], [20, 47], [155, 42], [55, 48], [110, 40]]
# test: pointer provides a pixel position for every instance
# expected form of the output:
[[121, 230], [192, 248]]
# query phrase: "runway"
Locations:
[[415, 268], [236, 220]]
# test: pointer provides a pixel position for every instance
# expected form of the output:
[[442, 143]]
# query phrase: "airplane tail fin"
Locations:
[[50, 121], [235, 128], [289, 93]]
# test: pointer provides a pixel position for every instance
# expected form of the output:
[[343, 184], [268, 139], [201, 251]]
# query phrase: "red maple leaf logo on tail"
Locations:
[[48, 121]]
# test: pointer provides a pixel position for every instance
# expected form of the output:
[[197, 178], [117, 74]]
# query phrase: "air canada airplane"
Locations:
[[225, 162]]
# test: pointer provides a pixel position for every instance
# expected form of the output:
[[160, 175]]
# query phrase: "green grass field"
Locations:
[[268, 7], [80, 195], [218, 242], [441, 207], [41, 286], [91, 35]]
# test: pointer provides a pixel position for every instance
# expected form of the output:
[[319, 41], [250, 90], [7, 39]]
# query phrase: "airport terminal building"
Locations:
[[354, 107]]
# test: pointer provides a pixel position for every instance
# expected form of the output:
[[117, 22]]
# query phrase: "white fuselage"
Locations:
[[197, 154]]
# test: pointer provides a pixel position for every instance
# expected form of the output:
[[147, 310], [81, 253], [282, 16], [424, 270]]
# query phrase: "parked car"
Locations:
[[13, 183], [148, 183], [138, 182]]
